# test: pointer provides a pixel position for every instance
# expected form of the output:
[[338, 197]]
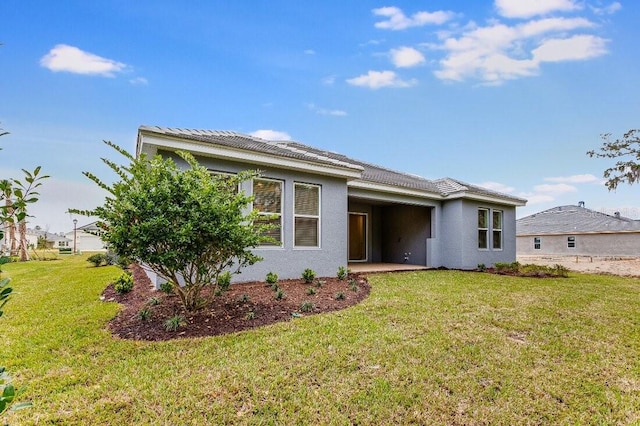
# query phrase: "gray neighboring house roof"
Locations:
[[367, 173], [574, 220], [48, 236]]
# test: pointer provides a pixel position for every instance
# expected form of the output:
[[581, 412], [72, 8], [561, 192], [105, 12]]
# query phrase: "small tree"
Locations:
[[624, 171], [187, 225], [17, 196]]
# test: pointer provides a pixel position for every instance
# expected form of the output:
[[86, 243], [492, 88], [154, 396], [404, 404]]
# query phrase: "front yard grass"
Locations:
[[432, 347]]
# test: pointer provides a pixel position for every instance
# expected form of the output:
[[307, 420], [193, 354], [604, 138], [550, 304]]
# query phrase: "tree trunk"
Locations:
[[11, 226], [22, 230]]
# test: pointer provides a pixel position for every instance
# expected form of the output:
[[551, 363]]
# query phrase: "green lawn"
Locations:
[[433, 347]]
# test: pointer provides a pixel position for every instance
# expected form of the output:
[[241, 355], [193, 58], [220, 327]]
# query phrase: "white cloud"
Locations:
[[139, 81], [378, 79], [554, 189], [309, 52], [397, 20], [71, 59], [497, 186], [585, 178], [607, 10], [530, 8], [499, 52], [271, 135], [575, 48], [405, 57], [324, 111], [329, 80]]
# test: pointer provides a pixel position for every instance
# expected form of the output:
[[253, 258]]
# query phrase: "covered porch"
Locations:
[[363, 268]]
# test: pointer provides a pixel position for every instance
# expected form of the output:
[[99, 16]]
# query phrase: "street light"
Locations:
[[75, 222]]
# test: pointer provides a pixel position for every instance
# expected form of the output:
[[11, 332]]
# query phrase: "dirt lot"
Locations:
[[626, 266]]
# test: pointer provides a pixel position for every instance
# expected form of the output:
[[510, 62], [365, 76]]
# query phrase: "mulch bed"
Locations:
[[244, 306]]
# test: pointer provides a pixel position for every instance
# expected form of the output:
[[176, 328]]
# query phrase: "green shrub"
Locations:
[[482, 267], [173, 323], [144, 314], [319, 283], [153, 301], [97, 259], [244, 298], [353, 286], [306, 306], [311, 291], [124, 283], [166, 287], [275, 287], [339, 295], [271, 278], [280, 295], [250, 315], [224, 281], [308, 275], [342, 273]]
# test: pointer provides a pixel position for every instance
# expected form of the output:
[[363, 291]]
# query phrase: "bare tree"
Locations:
[[627, 149]]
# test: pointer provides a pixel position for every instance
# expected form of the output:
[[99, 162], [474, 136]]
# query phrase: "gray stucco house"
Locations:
[[577, 231], [333, 210]]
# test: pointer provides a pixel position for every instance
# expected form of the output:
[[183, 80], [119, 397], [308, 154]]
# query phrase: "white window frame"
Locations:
[[279, 214], [494, 230], [318, 217], [484, 230], [537, 243]]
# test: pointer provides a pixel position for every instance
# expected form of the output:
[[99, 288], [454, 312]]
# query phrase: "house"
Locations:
[[576, 230], [333, 210], [39, 238], [86, 238]]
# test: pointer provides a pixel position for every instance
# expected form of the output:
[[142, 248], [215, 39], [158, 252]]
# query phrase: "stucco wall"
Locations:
[[611, 244], [287, 261], [405, 232], [459, 238]]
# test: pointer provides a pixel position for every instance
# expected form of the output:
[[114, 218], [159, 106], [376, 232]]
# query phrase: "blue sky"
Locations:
[[507, 94]]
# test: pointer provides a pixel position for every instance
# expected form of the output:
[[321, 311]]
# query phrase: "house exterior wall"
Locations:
[[459, 235], [289, 261], [596, 244], [405, 234], [85, 241]]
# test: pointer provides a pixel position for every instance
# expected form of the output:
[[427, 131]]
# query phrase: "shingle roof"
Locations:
[[370, 172], [573, 220]]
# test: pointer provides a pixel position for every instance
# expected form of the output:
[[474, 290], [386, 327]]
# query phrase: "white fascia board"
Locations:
[[377, 187], [487, 199], [151, 143]]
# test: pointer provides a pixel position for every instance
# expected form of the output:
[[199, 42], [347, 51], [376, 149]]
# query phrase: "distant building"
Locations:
[[87, 238], [39, 238], [576, 230]]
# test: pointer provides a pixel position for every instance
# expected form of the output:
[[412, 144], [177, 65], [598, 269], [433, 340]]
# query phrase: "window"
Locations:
[[268, 201], [536, 243], [497, 229], [306, 213], [225, 177], [571, 242], [483, 228]]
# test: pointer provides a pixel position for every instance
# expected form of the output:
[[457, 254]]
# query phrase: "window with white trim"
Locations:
[[537, 243], [306, 215], [267, 201], [496, 225], [483, 228]]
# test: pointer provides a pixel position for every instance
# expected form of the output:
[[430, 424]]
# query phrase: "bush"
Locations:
[[173, 323], [311, 291], [308, 275], [306, 306], [271, 278], [224, 281], [482, 267], [280, 295], [124, 283], [342, 273], [144, 314], [166, 287], [97, 259], [339, 295]]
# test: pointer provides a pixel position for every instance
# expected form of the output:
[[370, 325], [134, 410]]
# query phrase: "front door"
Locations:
[[357, 237]]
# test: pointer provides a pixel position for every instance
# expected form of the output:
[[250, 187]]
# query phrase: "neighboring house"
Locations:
[[50, 240], [333, 210], [576, 230], [87, 238]]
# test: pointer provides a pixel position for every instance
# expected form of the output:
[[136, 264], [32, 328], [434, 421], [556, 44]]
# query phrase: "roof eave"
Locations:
[[149, 142]]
